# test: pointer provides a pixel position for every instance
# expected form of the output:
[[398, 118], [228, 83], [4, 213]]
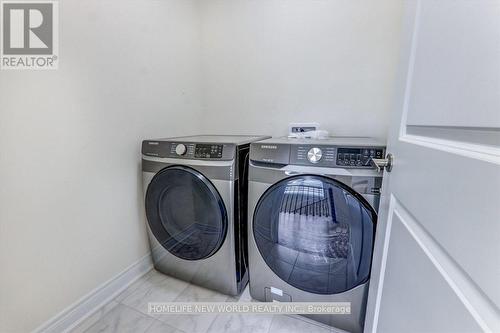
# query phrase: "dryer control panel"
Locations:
[[189, 150], [208, 151]]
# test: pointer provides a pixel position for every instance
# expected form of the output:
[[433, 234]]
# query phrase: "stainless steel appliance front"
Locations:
[[311, 227], [213, 272], [193, 194]]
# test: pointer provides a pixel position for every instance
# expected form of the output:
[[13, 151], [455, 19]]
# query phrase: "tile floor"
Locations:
[[128, 312]]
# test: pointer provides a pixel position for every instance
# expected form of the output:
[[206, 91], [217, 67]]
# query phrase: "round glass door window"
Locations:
[[315, 233], [185, 213]]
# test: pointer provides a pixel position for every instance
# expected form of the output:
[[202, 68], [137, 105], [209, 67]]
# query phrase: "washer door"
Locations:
[[315, 233], [185, 213]]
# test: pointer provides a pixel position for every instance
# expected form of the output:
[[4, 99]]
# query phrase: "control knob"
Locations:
[[180, 149], [314, 155]]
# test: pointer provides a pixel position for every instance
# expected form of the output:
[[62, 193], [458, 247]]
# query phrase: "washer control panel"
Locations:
[[359, 157], [334, 156], [312, 155]]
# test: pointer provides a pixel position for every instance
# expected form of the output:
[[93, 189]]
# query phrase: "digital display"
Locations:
[[357, 157], [208, 151]]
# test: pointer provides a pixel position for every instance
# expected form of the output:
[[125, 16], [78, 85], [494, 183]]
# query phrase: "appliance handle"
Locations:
[[382, 163]]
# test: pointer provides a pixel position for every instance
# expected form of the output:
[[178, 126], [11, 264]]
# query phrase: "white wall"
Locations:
[[268, 63], [70, 203]]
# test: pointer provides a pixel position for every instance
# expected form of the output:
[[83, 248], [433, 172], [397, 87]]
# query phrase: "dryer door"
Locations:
[[315, 233], [185, 213]]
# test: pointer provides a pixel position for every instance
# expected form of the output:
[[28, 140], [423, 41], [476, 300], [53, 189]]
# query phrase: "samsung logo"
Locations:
[[153, 143], [268, 147]]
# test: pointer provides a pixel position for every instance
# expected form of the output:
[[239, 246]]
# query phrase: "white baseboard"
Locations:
[[88, 304]]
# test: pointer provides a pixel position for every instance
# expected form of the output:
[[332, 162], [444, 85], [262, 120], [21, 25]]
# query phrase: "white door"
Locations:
[[436, 263]]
